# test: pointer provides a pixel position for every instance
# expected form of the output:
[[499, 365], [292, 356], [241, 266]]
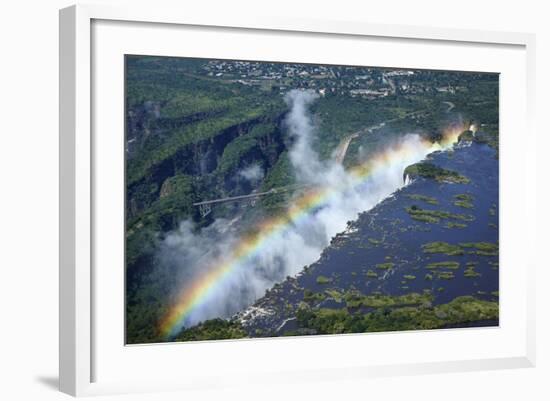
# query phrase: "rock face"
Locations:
[[202, 158]]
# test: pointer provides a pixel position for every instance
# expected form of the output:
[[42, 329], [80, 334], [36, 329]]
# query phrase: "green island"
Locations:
[[409, 312], [451, 264], [464, 201], [461, 310], [435, 216], [203, 129], [385, 266], [442, 247], [431, 171], [424, 198], [323, 280]]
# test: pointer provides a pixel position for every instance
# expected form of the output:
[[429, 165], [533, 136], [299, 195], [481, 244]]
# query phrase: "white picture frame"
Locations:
[[78, 163]]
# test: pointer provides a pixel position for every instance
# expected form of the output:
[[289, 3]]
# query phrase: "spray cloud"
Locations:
[[252, 173], [222, 274]]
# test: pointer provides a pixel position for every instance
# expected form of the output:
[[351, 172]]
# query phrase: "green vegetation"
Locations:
[[190, 131], [461, 310], [435, 216], [237, 149], [479, 248], [470, 272], [203, 130], [452, 224], [427, 199], [310, 296], [445, 265], [445, 275], [334, 294], [442, 247], [431, 171], [216, 329], [355, 299], [482, 248], [173, 205], [464, 200], [424, 217], [385, 266], [323, 280]]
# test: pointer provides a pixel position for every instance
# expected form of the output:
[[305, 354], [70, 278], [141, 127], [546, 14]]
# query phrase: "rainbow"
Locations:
[[196, 293]]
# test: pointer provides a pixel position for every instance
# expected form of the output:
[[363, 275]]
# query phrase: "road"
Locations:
[[451, 106], [339, 156], [342, 148]]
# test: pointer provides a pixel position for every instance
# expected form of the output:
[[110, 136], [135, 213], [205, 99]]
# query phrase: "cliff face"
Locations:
[[145, 120], [205, 159]]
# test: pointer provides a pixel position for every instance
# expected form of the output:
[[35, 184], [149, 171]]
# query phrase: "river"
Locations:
[[384, 250]]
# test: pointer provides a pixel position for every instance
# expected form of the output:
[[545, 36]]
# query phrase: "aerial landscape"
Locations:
[[269, 199]]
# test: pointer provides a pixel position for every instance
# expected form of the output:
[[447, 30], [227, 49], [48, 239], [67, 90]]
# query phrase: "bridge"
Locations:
[[205, 207]]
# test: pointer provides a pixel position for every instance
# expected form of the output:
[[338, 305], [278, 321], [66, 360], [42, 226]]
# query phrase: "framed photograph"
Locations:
[[291, 199]]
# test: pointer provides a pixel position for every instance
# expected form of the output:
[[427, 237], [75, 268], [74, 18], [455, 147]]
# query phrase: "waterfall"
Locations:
[[473, 128], [407, 179]]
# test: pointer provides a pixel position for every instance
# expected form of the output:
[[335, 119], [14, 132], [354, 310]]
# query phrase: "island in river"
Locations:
[[269, 199], [424, 258]]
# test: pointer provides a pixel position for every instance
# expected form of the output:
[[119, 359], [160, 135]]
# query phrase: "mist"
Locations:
[[252, 173], [193, 251]]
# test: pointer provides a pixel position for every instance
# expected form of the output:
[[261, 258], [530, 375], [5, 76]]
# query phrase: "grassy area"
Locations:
[[431, 171], [435, 216], [482, 248], [323, 280], [355, 299], [216, 329], [461, 310], [442, 247], [385, 266], [464, 201], [424, 198], [335, 294], [445, 275], [477, 248], [471, 273], [450, 264], [310, 296]]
